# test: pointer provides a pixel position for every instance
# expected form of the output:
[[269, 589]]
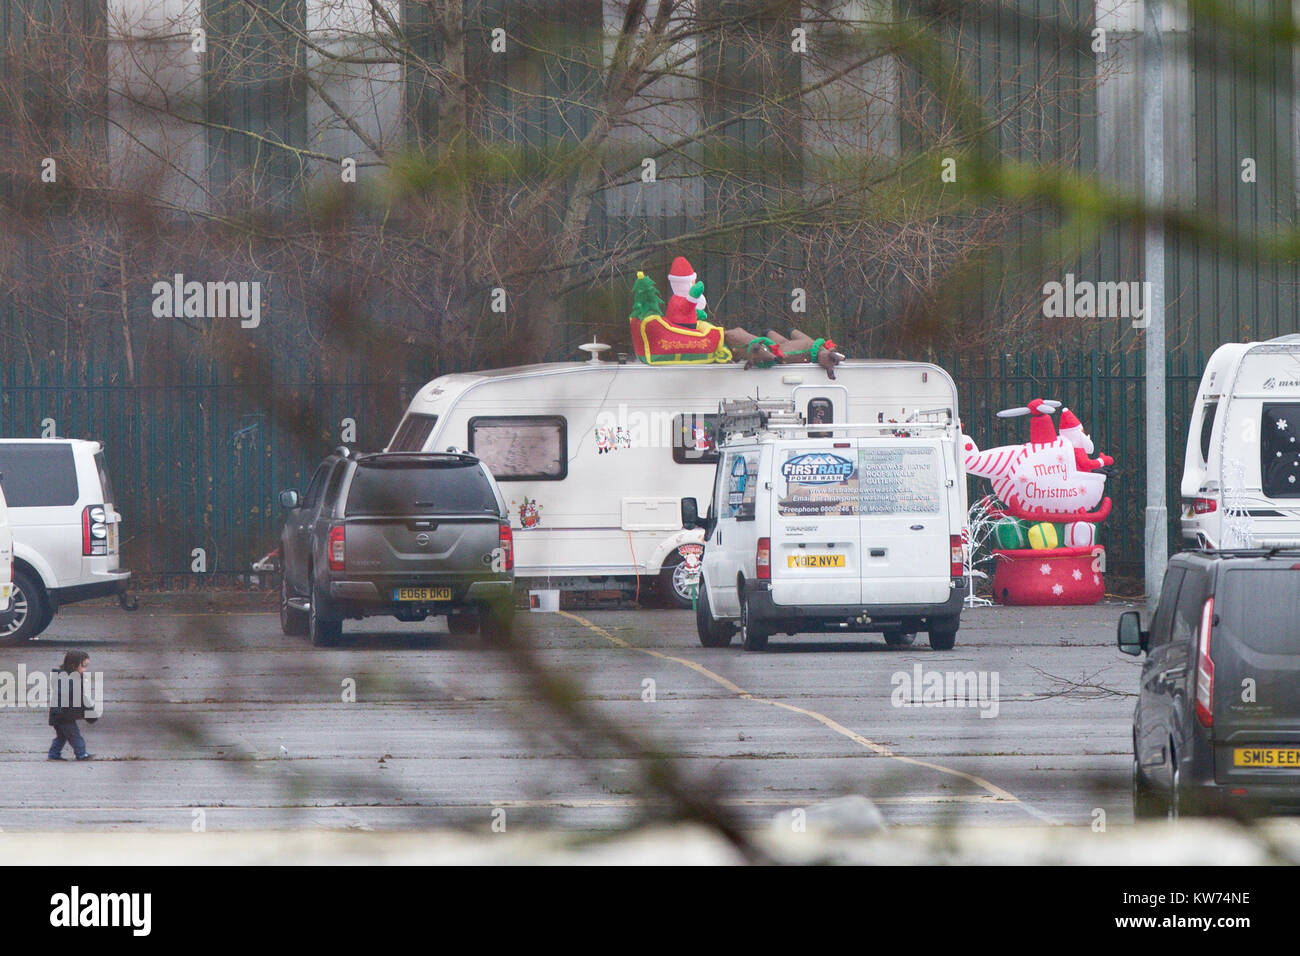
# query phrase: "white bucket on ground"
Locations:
[[544, 600]]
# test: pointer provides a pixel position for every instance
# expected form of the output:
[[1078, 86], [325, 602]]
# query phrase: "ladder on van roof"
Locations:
[[779, 417]]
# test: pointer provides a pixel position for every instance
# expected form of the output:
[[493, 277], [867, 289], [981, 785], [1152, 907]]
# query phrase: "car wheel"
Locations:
[[461, 624], [323, 628], [1145, 804], [293, 622], [712, 633], [752, 635], [31, 613], [900, 638], [497, 623], [943, 633], [675, 585], [1173, 805]]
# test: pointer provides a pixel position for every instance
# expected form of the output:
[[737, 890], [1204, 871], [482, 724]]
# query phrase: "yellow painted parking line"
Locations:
[[993, 791]]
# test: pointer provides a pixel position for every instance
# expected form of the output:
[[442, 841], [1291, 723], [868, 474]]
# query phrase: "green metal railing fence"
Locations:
[[199, 456]]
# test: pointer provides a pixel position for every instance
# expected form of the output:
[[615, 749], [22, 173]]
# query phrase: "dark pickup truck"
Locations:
[[400, 534]]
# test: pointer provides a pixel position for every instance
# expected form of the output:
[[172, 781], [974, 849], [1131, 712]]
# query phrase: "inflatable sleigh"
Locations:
[[658, 342]]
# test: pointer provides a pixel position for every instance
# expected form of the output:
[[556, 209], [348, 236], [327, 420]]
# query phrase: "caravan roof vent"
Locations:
[[594, 348]]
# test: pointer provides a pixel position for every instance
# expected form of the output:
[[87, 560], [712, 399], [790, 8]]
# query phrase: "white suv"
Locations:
[[6, 560], [65, 529], [833, 528]]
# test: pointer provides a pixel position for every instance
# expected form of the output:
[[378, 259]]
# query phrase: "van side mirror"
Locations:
[[289, 500], [690, 513], [1129, 635]]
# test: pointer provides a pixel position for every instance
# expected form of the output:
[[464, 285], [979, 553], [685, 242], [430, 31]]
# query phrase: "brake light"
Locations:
[[763, 559], [1205, 668], [507, 539], [337, 548], [1203, 506], [956, 556], [94, 530]]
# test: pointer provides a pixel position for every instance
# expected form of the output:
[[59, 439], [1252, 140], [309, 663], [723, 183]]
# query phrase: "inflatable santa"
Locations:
[[687, 297]]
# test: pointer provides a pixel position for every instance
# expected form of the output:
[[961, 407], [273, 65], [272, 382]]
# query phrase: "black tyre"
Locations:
[[323, 628], [30, 608], [900, 638], [712, 633], [462, 624], [675, 586], [1174, 810], [293, 622], [943, 633], [1146, 805], [497, 624], [752, 636]]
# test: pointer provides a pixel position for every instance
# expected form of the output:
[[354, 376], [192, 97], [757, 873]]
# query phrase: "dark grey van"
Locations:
[[1217, 724]]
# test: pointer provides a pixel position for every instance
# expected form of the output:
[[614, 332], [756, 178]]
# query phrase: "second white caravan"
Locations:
[[594, 458], [1241, 471]]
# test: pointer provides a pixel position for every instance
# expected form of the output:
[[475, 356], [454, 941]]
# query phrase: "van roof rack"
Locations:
[[749, 416], [752, 416]]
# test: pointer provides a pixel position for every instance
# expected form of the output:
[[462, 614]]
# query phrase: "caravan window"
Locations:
[[521, 447], [1279, 450], [413, 432], [695, 439], [1207, 428]]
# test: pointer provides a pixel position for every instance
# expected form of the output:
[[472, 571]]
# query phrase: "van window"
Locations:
[[1261, 607], [695, 439], [1187, 614], [1207, 429], [1162, 623], [1279, 450], [521, 447], [413, 432], [38, 475], [741, 477]]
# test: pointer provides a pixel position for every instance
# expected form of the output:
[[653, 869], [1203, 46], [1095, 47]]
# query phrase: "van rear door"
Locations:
[[903, 509], [816, 534], [1255, 650]]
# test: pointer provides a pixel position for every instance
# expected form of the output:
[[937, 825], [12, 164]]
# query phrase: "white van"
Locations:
[[65, 529], [6, 559], [856, 527], [1241, 471], [594, 457]]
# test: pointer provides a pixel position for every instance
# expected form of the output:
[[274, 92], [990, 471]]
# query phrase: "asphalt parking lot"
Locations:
[[214, 720]]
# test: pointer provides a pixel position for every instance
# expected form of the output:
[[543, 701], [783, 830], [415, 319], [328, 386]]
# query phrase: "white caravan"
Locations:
[[849, 528], [595, 457], [1241, 472]]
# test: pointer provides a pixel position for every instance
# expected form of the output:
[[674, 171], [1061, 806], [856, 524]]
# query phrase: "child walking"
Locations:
[[68, 704]]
